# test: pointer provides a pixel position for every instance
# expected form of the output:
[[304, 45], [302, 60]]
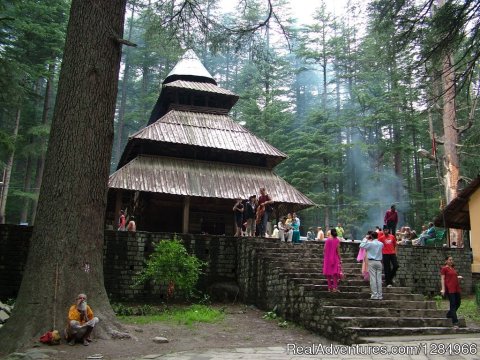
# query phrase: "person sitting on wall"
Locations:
[[430, 233], [310, 234], [275, 232], [132, 226], [80, 322], [285, 231]]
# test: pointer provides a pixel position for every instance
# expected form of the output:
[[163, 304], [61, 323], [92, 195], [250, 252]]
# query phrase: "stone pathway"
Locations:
[[437, 347], [461, 346]]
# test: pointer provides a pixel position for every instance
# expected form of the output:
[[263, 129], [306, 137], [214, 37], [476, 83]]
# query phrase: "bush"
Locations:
[[171, 264]]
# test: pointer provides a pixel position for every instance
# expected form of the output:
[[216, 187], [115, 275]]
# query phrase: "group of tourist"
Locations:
[[122, 222], [378, 253], [251, 216], [289, 228]]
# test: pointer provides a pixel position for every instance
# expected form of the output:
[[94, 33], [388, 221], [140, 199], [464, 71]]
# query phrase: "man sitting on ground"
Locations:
[[80, 322]]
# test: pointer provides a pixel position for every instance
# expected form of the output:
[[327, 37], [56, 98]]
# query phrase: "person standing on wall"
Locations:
[[451, 288], [238, 214], [389, 251], [250, 209], [391, 219], [122, 221], [264, 211], [340, 231]]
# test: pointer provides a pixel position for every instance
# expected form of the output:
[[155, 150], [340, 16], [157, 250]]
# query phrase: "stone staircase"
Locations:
[[297, 289]]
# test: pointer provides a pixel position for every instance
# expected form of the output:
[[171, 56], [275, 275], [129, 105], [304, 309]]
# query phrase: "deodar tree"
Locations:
[[65, 256]]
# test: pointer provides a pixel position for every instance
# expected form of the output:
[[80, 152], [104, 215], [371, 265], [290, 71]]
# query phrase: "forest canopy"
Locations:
[[350, 96]]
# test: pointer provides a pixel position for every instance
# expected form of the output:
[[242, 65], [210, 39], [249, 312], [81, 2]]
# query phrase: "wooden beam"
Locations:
[[186, 214], [118, 207]]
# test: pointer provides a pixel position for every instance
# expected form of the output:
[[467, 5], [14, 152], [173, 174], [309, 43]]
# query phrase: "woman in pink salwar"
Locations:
[[332, 261]]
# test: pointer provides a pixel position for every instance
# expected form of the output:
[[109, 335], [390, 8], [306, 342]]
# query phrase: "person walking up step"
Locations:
[[374, 255]]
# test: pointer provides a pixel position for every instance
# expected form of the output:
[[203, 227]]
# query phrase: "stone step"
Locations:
[[301, 267], [400, 322], [354, 294], [367, 303], [379, 311], [361, 285], [304, 269], [322, 286], [395, 331], [321, 280]]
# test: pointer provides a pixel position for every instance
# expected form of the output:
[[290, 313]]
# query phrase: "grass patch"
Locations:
[[468, 308], [182, 316]]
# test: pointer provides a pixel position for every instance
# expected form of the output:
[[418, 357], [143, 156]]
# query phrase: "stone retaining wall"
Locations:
[[229, 260]]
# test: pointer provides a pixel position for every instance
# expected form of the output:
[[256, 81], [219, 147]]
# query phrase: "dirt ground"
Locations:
[[243, 326]]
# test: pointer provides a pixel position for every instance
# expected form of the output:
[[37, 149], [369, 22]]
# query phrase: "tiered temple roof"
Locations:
[[191, 148]]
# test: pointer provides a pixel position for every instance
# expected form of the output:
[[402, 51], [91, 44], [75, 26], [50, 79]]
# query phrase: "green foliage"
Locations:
[[272, 315], [468, 308], [171, 264], [139, 310], [182, 316]]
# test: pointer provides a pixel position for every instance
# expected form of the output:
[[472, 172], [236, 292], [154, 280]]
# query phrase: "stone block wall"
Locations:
[[124, 256], [420, 268], [229, 260]]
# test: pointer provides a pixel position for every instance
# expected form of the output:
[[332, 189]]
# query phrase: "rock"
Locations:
[[119, 335], [95, 356], [6, 308], [160, 340], [16, 356], [3, 316], [140, 330]]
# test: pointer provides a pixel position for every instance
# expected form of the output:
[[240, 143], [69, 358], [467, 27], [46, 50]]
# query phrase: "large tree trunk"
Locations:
[[451, 163], [65, 256], [43, 142]]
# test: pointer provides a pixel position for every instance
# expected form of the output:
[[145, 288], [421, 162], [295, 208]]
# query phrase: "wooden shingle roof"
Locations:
[[204, 179], [206, 130]]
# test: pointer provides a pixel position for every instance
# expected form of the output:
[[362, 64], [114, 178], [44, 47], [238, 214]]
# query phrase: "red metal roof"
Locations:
[[203, 179], [206, 130]]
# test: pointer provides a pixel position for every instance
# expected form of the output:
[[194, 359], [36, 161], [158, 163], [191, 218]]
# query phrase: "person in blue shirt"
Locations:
[[374, 256], [430, 233]]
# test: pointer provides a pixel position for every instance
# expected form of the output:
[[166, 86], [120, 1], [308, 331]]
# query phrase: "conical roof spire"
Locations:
[[190, 68]]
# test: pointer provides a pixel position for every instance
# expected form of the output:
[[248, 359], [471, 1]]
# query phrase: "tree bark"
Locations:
[[66, 256], [451, 163]]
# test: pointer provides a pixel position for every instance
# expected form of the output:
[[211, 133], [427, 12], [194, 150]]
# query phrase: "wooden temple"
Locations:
[[182, 172]]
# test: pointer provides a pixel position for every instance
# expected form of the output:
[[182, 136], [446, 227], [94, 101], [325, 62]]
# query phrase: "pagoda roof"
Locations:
[[203, 130], [199, 86], [189, 67], [187, 177]]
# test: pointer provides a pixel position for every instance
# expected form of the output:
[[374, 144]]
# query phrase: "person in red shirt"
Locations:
[[451, 288], [389, 255], [391, 219], [264, 211], [122, 221]]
